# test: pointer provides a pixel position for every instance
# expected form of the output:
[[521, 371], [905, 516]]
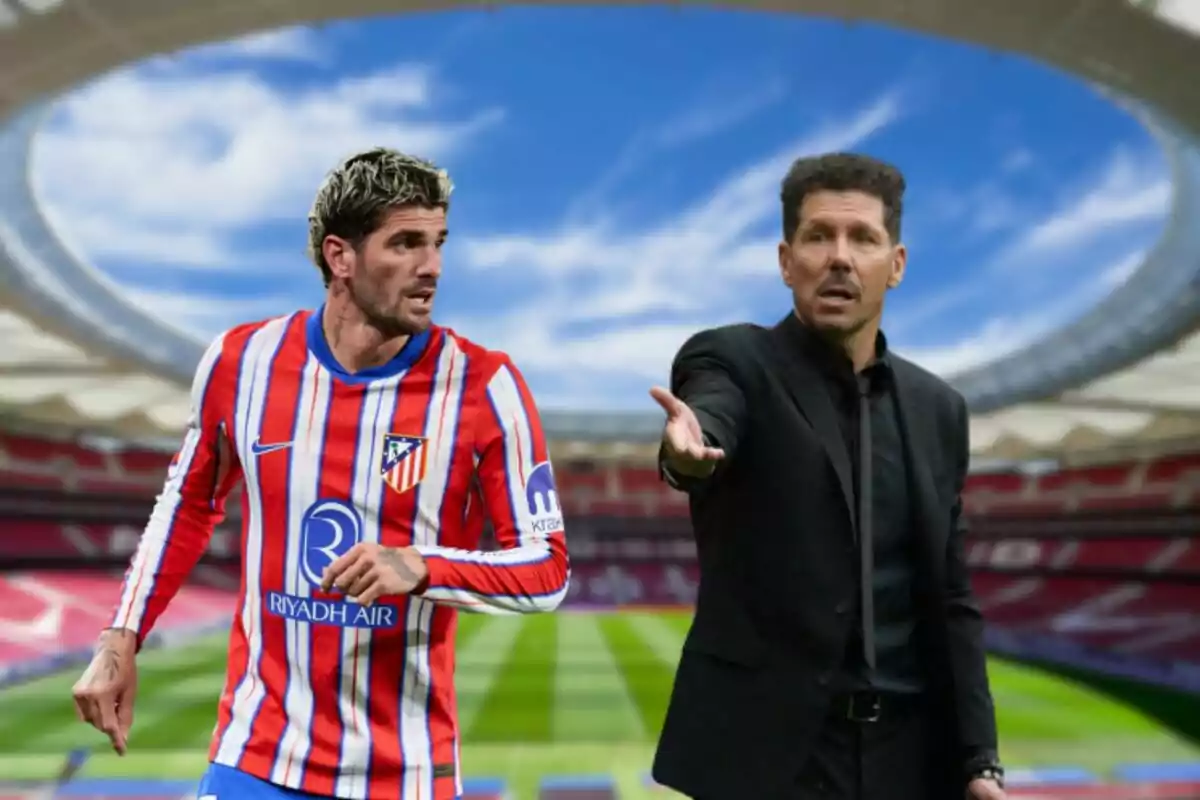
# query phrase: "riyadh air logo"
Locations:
[[328, 529], [327, 532], [542, 497]]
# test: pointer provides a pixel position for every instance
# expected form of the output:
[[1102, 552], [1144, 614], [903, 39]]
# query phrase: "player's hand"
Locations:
[[686, 450], [369, 571], [105, 693], [985, 789]]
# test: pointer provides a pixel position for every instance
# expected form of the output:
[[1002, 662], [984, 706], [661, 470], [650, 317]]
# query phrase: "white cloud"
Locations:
[[204, 315], [715, 114], [687, 267], [1124, 193], [1128, 190], [1002, 335], [1122, 270], [168, 167], [718, 115], [284, 44]]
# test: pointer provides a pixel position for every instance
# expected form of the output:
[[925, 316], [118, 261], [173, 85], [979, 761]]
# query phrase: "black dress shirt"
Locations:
[[894, 625]]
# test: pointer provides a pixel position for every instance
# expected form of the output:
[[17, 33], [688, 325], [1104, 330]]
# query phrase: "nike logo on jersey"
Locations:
[[260, 449]]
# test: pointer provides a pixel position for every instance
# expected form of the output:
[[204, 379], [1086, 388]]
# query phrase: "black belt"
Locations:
[[868, 706]]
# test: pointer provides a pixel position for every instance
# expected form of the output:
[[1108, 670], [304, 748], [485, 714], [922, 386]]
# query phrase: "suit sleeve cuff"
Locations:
[[679, 482]]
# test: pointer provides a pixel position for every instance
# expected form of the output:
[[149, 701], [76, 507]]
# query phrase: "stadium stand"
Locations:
[[591, 488], [50, 619], [31, 462], [1095, 565]]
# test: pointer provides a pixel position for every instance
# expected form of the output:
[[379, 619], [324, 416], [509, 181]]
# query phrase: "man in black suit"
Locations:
[[837, 650]]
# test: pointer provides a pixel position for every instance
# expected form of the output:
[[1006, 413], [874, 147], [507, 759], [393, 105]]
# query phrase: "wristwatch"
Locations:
[[993, 773], [985, 766]]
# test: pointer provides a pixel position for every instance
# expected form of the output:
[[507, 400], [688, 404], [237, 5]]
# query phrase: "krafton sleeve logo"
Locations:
[[542, 497], [328, 529]]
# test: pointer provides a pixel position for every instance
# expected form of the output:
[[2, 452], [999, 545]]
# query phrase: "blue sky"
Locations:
[[616, 175]]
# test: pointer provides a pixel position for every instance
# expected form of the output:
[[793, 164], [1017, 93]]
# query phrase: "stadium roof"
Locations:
[[78, 355]]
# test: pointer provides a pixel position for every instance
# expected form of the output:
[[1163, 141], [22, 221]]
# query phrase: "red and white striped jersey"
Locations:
[[321, 694]]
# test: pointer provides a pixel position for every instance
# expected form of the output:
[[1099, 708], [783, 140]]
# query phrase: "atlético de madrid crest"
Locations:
[[404, 459]]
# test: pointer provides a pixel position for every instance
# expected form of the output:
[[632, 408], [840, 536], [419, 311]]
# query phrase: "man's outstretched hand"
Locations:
[[104, 694], [686, 451]]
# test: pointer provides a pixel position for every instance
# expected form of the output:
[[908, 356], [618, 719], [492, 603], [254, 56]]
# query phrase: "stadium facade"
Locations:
[[80, 356]]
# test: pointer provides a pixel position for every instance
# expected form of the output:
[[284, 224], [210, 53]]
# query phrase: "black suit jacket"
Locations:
[[775, 537]]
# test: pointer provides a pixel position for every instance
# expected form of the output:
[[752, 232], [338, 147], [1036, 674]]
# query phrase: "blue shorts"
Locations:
[[226, 783]]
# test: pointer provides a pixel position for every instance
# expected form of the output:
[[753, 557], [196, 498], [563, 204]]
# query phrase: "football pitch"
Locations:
[[571, 693]]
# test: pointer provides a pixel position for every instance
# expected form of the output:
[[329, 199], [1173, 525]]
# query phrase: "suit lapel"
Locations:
[[917, 438], [806, 386]]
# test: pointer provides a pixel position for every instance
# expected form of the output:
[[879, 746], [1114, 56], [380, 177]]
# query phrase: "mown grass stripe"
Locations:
[[518, 707], [646, 675], [481, 658], [591, 702]]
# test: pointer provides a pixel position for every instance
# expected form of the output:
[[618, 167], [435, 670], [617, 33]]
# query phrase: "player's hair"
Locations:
[[843, 172], [357, 194]]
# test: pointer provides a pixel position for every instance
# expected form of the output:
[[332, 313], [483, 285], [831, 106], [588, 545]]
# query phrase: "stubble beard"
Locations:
[[390, 323]]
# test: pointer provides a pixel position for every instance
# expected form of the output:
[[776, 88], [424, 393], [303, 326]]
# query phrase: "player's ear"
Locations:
[[339, 255]]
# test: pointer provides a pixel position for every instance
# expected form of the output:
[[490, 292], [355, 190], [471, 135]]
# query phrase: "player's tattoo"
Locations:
[[110, 656], [394, 558], [110, 664]]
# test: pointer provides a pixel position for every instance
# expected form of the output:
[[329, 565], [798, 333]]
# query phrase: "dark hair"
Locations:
[[842, 172], [357, 194]]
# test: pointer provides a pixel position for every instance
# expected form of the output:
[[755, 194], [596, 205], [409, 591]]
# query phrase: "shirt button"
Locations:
[[823, 678], [841, 608]]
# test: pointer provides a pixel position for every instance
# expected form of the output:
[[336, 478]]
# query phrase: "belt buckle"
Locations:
[[863, 707]]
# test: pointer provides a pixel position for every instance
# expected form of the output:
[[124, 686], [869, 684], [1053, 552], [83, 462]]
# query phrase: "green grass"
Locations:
[[568, 693]]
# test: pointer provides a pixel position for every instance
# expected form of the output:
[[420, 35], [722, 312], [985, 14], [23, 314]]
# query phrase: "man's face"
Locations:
[[392, 276], [841, 261]]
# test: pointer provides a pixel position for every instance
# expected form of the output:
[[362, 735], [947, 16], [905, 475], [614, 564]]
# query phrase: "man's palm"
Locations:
[[683, 436]]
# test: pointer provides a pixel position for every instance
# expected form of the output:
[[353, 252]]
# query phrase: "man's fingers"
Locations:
[[81, 702], [699, 452], [125, 712], [353, 575], [669, 402], [363, 583], [106, 712], [89, 711], [105, 719], [372, 593], [339, 565]]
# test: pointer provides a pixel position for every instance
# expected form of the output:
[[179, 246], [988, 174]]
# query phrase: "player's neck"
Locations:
[[354, 342]]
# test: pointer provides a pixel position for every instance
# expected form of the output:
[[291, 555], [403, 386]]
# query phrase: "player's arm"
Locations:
[[974, 708], [190, 506], [531, 570]]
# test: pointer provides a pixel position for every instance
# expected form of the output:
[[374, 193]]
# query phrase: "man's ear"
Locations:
[[785, 261], [899, 264]]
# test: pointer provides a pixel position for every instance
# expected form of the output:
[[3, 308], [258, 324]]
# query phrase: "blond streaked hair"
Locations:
[[354, 197]]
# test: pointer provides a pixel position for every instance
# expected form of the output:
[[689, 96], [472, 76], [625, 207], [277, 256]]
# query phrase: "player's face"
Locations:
[[841, 261], [397, 269]]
